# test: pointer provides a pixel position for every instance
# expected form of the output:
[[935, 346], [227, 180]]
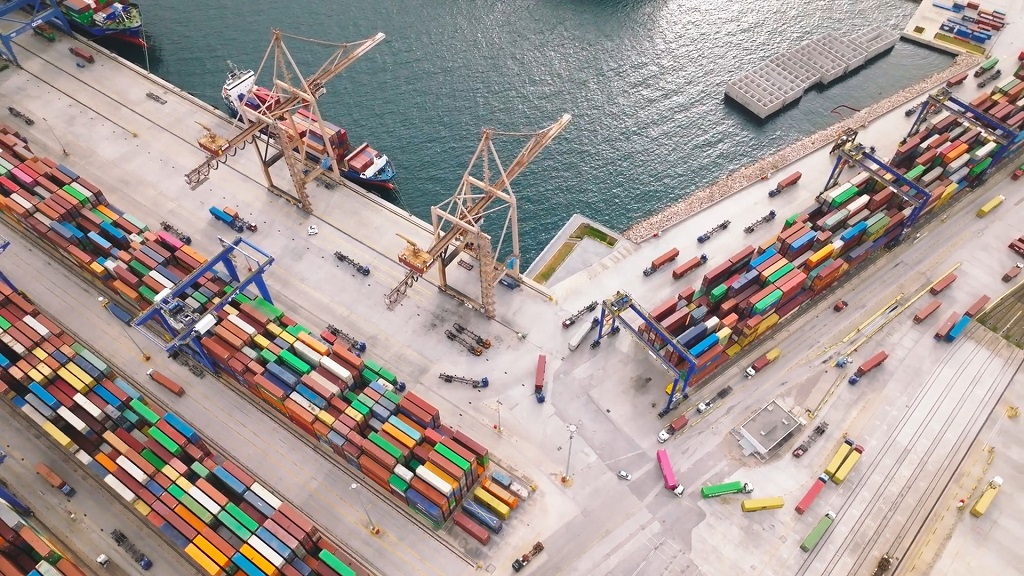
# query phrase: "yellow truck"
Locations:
[[981, 506], [837, 460], [851, 460], [990, 206]]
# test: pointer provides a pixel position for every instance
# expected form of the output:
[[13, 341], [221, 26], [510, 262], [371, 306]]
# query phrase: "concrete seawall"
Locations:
[[743, 177]]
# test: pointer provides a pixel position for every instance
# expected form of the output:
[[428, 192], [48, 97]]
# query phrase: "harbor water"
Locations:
[[643, 79]]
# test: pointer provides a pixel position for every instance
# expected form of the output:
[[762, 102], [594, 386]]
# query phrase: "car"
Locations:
[[625, 475], [663, 436], [1017, 173], [705, 406], [840, 306], [103, 560]]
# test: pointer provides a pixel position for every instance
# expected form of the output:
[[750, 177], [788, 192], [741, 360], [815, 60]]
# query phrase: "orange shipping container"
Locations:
[[500, 493]]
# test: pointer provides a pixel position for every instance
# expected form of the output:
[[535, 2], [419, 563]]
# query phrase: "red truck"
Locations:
[[812, 494], [942, 284], [871, 363], [1017, 246], [53, 480], [1012, 272], [689, 266], [81, 54], [660, 261], [927, 311], [676, 425], [978, 305], [940, 334], [784, 183], [763, 362], [166, 382]]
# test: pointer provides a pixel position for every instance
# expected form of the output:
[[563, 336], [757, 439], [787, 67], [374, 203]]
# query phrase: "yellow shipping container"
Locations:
[[733, 350], [326, 418], [847, 466], [97, 269], [204, 561], [261, 341], [35, 375], [81, 375], [990, 206], [71, 379], [986, 498], [210, 550], [274, 329], [837, 459], [723, 335], [354, 414], [59, 436], [484, 497], [169, 472], [39, 353], [286, 337], [142, 507], [258, 559], [756, 504], [183, 483]]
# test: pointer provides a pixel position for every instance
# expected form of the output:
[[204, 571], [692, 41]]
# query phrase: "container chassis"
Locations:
[[479, 340], [344, 258], [762, 220], [804, 446], [474, 382], [352, 341], [579, 314], [707, 235]]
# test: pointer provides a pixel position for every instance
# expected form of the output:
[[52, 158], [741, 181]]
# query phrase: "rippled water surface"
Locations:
[[643, 79]]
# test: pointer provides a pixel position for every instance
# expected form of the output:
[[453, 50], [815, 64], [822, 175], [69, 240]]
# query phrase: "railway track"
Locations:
[[884, 503]]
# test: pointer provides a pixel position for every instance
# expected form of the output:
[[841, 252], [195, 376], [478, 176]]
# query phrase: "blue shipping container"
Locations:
[[958, 328], [767, 254], [482, 515], [178, 424]]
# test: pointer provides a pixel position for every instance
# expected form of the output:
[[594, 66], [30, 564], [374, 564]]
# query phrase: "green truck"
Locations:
[[818, 531], [716, 490]]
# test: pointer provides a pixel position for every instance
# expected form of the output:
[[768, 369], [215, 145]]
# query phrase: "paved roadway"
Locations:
[[600, 524], [96, 511]]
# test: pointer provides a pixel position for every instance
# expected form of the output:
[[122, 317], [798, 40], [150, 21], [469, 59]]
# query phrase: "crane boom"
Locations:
[[312, 86]]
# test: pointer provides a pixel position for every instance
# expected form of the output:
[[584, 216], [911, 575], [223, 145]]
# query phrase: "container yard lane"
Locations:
[[95, 511], [281, 458]]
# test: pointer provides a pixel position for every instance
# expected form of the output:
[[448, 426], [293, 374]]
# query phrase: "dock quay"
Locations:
[[598, 417], [960, 27], [783, 78]]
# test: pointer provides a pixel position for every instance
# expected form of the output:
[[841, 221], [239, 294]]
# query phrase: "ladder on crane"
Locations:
[[271, 127]]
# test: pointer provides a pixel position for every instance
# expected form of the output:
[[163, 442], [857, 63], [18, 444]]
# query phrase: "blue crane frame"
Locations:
[[42, 11], [188, 340], [622, 302]]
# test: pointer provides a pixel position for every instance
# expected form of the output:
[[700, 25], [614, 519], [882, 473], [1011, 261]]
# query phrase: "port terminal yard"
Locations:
[[924, 429]]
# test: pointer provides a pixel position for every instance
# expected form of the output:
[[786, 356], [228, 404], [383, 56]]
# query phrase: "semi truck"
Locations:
[[521, 562], [676, 425], [1013, 272], [981, 506], [786, 182], [871, 363], [661, 261], [689, 266], [818, 532], [54, 480], [812, 494], [762, 362], [716, 490], [839, 456], [165, 381], [851, 460]]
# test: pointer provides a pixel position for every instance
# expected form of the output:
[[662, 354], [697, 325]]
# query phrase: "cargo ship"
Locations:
[[365, 166], [105, 19]]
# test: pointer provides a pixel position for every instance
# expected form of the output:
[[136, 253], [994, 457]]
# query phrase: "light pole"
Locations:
[[373, 527], [567, 479], [498, 402]]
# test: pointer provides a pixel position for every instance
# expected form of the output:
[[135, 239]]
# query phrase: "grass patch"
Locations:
[[587, 231], [553, 264]]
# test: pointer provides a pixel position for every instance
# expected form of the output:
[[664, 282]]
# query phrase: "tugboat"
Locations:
[[366, 166]]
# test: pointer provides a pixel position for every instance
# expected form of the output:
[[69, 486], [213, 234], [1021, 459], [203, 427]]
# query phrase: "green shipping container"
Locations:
[[246, 521], [360, 407], [78, 196], [136, 222], [234, 525], [147, 293], [398, 483], [267, 356], [144, 411], [138, 268], [296, 330], [371, 364], [979, 167], [337, 565], [385, 446], [844, 196], [767, 302], [453, 457], [387, 376], [163, 440], [91, 358], [781, 272], [292, 361], [915, 173], [369, 375], [153, 459], [268, 309], [836, 220], [198, 297], [239, 298], [4, 324], [719, 292], [362, 397], [200, 470], [791, 220], [101, 215]]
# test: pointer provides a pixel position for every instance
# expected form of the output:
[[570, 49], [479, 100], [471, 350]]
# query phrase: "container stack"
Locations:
[[23, 551], [205, 504], [741, 299], [348, 403], [316, 143]]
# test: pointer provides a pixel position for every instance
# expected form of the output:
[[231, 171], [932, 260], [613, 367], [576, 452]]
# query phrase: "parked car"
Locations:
[[625, 475]]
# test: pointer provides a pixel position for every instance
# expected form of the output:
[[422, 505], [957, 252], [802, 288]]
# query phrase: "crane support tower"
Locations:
[[21, 16], [611, 311], [270, 128], [458, 223]]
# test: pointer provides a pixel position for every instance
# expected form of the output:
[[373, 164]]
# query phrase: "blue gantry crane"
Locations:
[[622, 302], [20, 16], [1010, 140], [184, 325]]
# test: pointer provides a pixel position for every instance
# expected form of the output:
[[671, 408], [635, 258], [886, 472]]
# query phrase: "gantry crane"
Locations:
[[458, 222], [271, 129]]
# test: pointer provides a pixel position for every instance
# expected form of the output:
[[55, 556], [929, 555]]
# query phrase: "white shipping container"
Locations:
[[306, 353], [121, 489], [35, 325], [89, 407], [75, 421], [305, 404], [860, 179], [204, 500], [403, 472], [336, 369], [242, 324], [432, 479], [161, 279], [132, 470], [266, 495], [10, 517], [580, 335], [858, 204], [33, 414], [83, 457], [45, 569], [985, 151], [519, 491], [711, 324], [265, 551]]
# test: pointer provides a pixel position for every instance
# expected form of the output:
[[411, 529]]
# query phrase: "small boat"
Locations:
[[365, 165], [105, 19]]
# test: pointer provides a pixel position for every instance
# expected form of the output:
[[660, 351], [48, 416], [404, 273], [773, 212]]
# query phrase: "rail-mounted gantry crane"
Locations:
[[271, 129], [458, 223]]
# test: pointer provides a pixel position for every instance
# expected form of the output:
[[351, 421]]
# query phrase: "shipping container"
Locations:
[[942, 284], [816, 533], [812, 494], [758, 504]]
